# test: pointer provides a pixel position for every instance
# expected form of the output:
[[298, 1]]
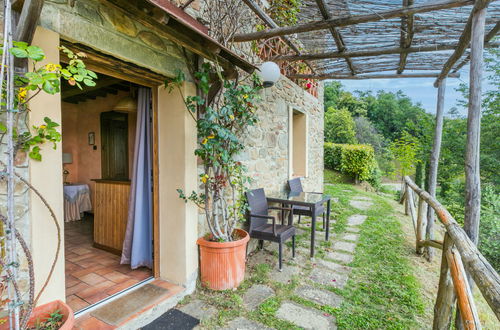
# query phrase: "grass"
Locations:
[[382, 291], [333, 177]]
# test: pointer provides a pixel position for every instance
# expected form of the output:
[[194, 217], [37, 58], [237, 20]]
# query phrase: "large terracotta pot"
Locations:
[[42, 312], [222, 265]]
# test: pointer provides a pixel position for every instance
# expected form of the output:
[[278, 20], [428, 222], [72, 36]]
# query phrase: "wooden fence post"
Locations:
[[433, 164], [443, 309], [421, 223]]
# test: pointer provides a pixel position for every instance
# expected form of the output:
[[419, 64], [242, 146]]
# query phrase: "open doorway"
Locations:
[[107, 156]]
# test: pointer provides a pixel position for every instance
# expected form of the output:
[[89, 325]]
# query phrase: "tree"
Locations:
[[366, 133], [331, 94], [405, 150], [339, 126]]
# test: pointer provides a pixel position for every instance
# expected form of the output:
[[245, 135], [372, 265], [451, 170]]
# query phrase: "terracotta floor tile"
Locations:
[[71, 281], [100, 270], [116, 277], [85, 271], [92, 279], [77, 288], [105, 270], [97, 297], [80, 250], [95, 289], [76, 303], [106, 261], [94, 324], [121, 286], [140, 274]]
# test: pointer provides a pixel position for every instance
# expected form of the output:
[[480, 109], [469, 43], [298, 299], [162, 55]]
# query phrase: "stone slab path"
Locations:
[[305, 317], [310, 284]]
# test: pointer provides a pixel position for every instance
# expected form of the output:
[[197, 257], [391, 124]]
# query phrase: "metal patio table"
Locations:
[[309, 199]]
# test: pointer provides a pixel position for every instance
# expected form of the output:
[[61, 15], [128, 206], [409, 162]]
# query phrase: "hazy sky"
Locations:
[[418, 89]]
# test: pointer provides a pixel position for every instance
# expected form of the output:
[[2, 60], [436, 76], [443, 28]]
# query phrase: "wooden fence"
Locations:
[[459, 254]]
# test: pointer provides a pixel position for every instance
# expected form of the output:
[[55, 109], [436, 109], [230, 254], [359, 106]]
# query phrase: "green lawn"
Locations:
[[382, 292]]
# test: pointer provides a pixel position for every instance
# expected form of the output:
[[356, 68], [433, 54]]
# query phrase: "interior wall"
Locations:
[[80, 119]]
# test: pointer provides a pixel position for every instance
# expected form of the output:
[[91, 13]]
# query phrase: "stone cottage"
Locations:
[[133, 46]]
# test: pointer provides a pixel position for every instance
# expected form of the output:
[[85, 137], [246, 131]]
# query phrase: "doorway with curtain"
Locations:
[[108, 192]]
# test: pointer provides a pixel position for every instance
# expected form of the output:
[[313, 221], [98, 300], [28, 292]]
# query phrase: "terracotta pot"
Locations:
[[222, 265], [42, 312]]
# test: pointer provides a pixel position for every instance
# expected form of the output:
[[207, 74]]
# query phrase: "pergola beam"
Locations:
[[374, 52], [352, 20], [369, 76], [493, 32], [271, 23], [335, 34], [463, 42], [406, 36]]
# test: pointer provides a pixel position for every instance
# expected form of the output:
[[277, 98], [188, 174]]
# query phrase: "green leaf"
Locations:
[[20, 44], [65, 73], [92, 74], [19, 53], [48, 88], [35, 53], [89, 82], [3, 128]]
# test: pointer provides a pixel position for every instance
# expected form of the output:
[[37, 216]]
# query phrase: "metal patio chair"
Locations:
[[259, 228], [295, 186]]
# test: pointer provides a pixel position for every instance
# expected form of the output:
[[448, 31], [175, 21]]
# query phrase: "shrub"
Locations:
[[356, 160]]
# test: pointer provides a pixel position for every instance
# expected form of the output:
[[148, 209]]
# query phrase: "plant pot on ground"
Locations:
[[221, 128], [222, 264], [50, 316]]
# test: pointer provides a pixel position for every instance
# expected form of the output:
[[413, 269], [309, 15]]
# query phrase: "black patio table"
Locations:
[[309, 199]]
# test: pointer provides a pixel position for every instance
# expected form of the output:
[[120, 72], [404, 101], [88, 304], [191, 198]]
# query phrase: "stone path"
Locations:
[[311, 280]]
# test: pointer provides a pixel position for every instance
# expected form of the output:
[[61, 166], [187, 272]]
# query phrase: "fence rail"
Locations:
[[459, 254]]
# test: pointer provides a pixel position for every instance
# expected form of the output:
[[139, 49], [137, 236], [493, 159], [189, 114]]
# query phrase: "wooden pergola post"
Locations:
[[472, 175], [433, 165]]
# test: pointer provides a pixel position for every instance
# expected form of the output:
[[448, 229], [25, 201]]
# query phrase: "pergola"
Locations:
[[372, 39]]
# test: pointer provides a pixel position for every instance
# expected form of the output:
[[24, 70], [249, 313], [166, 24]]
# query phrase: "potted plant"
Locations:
[[221, 126], [18, 299]]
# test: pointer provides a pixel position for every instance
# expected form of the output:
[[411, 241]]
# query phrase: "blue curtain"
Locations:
[[138, 243]]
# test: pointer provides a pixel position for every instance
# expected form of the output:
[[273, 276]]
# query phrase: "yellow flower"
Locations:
[[22, 94], [204, 141], [245, 96], [204, 178], [211, 136], [231, 117], [43, 126], [52, 67]]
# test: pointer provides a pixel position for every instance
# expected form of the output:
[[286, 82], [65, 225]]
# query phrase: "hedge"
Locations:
[[356, 160]]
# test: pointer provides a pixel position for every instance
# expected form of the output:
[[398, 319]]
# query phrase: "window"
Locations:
[[298, 144]]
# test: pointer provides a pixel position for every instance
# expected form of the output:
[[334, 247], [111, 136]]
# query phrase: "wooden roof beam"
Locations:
[[374, 52], [463, 42], [490, 35], [370, 76], [271, 23], [353, 20], [335, 34], [407, 32]]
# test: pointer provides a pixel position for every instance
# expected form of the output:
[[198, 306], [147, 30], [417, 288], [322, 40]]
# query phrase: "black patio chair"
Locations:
[[295, 186], [259, 228]]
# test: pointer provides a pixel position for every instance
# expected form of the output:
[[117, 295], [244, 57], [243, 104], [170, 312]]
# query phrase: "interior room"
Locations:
[[107, 156]]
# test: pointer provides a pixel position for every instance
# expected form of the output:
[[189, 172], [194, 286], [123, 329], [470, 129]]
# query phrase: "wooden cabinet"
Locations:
[[110, 214]]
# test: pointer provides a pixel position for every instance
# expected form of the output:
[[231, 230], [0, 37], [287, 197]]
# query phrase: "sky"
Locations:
[[418, 89]]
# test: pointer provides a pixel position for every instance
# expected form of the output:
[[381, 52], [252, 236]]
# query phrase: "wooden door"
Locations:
[[114, 145]]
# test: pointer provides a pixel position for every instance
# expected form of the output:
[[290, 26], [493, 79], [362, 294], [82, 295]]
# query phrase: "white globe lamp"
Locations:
[[269, 73]]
